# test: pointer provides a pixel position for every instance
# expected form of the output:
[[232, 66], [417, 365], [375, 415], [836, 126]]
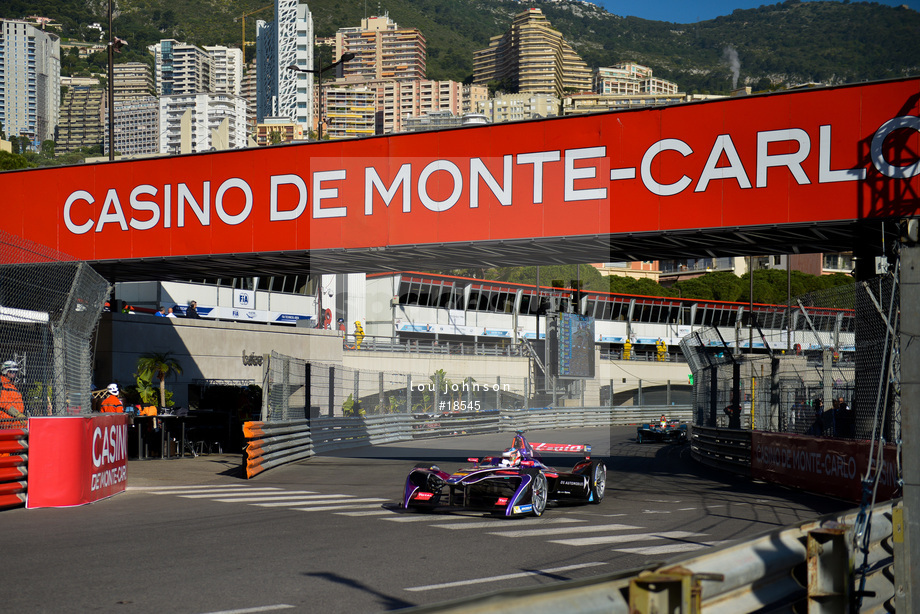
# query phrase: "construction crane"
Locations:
[[243, 19]]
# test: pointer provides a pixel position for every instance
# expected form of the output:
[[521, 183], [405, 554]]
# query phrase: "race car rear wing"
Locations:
[[566, 448]]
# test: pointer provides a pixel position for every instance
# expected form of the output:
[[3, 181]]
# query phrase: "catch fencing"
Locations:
[[332, 390], [795, 380], [271, 444], [49, 308]]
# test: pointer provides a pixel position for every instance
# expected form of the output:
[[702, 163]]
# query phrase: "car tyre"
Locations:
[[539, 494], [598, 481]]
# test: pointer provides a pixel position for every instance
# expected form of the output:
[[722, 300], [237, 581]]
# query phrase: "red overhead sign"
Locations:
[[826, 154]]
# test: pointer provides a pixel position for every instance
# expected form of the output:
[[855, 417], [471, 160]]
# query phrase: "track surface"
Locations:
[[324, 535]]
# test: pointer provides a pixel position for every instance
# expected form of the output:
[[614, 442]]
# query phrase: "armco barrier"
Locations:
[[14, 444], [275, 443], [809, 567], [726, 449]]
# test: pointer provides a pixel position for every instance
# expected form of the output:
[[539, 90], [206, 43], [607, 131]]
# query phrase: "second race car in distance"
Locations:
[[516, 483], [670, 431]]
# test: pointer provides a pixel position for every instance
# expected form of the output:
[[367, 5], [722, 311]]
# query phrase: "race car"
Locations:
[[516, 483], [670, 431]]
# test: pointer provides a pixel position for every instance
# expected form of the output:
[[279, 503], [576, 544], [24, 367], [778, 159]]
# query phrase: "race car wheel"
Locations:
[[598, 481], [539, 492]]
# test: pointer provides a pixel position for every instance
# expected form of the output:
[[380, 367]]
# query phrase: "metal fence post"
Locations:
[[266, 385], [830, 570], [307, 399], [639, 393], [498, 392], [408, 394], [331, 391], [380, 404]]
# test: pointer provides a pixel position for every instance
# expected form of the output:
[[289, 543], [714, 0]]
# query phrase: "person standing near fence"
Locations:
[[817, 427], [111, 403], [733, 410], [11, 405]]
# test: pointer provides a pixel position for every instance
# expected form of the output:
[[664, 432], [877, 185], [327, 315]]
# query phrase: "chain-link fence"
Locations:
[[49, 309], [802, 378], [340, 391]]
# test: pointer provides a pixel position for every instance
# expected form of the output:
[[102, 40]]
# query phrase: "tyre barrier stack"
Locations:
[[275, 443], [14, 445]]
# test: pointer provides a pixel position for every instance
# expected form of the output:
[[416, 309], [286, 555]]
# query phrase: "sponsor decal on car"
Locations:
[[522, 509], [502, 501], [424, 496]]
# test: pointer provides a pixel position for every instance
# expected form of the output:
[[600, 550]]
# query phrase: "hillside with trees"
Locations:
[[769, 47]]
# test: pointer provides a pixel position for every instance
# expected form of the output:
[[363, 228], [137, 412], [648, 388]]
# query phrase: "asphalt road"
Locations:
[[323, 535]]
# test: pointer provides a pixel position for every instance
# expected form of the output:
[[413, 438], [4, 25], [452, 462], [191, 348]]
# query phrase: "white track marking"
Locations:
[[510, 576], [668, 549], [565, 530], [500, 522], [329, 508], [599, 540], [255, 496]]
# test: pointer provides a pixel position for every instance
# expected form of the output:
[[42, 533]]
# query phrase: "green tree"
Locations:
[[160, 366], [11, 161], [47, 149]]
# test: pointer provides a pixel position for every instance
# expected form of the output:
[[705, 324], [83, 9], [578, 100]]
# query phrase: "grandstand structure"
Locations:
[[427, 306]]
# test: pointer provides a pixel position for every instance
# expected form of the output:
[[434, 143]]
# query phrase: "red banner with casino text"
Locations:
[[76, 460]]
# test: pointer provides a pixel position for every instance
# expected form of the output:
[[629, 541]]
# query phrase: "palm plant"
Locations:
[[160, 366]]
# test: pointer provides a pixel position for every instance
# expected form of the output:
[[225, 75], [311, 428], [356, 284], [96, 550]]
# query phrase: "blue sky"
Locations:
[[690, 11]]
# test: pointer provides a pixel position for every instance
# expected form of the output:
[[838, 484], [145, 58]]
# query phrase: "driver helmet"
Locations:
[[9, 366], [113, 389], [512, 458]]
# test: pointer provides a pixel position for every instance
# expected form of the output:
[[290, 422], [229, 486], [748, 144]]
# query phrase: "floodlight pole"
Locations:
[[319, 73]]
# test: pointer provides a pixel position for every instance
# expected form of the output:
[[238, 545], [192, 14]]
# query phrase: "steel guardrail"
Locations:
[[271, 444], [806, 567], [726, 449]]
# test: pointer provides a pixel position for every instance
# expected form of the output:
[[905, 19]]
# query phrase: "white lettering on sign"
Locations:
[[108, 478], [110, 444], [578, 174]]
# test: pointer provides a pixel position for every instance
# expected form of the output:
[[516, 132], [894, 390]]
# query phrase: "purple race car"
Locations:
[[513, 484]]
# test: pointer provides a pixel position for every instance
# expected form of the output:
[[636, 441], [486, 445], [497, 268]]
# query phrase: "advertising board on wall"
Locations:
[[832, 467], [76, 460]]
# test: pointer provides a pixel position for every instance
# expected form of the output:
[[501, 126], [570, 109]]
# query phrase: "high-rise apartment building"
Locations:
[[137, 126], [132, 80], [397, 100], [382, 50], [350, 111], [82, 117], [248, 92], [180, 68], [628, 78], [226, 69], [518, 107], [286, 41], [201, 118], [30, 77], [137, 111], [531, 57]]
